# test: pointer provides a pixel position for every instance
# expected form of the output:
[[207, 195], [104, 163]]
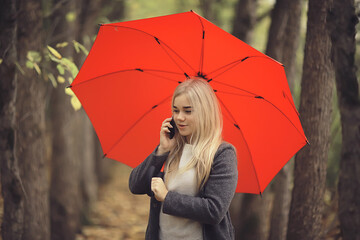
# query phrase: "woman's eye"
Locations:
[[175, 111], [188, 112]]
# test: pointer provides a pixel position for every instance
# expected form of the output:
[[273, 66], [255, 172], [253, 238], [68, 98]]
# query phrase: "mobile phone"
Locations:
[[173, 129]]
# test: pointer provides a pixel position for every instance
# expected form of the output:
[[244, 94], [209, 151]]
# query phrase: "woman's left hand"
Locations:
[[159, 188]]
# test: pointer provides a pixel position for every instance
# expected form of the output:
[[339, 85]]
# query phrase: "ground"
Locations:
[[118, 214]]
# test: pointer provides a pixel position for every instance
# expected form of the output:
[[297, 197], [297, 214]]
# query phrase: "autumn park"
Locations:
[[76, 117]]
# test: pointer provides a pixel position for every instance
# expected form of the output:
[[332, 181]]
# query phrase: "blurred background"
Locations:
[[55, 183]]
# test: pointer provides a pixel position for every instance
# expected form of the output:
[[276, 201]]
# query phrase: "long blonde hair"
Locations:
[[207, 135]]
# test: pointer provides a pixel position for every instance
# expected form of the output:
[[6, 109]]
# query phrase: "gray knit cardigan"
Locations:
[[210, 207]]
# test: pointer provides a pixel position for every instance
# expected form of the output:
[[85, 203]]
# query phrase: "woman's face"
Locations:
[[183, 116]]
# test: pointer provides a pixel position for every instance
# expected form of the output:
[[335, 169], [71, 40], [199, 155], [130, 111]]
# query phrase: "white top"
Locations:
[[172, 227]]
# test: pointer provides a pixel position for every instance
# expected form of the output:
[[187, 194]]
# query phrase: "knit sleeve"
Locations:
[[139, 180]]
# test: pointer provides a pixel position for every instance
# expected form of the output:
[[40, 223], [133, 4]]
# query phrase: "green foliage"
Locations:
[[62, 45], [262, 28], [138, 9], [33, 60], [54, 52], [64, 65], [70, 17], [74, 100], [79, 47], [61, 69], [52, 79]]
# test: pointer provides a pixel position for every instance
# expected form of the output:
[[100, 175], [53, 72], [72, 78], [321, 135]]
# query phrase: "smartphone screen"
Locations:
[[173, 129]]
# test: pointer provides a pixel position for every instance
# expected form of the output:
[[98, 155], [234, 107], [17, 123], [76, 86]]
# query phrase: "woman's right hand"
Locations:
[[165, 142]]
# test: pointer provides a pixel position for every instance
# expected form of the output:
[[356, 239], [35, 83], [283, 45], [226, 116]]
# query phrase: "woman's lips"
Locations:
[[181, 125]]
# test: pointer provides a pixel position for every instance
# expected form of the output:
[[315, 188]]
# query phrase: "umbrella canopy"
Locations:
[[126, 83]]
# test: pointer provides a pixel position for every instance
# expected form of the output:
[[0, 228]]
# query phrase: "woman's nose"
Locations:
[[181, 116]]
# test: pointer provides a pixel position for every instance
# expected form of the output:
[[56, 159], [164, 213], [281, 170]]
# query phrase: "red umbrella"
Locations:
[[126, 83]]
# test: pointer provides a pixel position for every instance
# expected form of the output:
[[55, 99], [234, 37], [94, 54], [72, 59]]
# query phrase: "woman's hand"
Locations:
[[165, 142], [159, 188]]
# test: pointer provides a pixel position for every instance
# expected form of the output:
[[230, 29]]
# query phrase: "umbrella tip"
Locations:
[[69, 86], [260, 194], [104, 156]]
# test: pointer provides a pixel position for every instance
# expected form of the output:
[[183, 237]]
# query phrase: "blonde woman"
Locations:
[[191, 199]]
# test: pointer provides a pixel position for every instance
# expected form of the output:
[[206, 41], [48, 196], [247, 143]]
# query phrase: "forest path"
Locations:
[[117, 214]]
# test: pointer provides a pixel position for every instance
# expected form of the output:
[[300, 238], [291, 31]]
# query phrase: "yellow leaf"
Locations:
[[61, 45], [75, 103], [69, 92], [54, 52], [70, 79], [29, 64], [1, 60], [60, 69], [37, 68], [52, 79], [79, 46], [61, 79], [33, 56], [70, 16]]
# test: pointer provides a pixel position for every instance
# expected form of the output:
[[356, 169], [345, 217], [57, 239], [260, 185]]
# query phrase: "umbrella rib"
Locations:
[[234, 64], [125, 70], [286, 96], [158, 41], [201, 64], [247, 146], [237, 88], [260, 97], [285, 117], [146, 71], [135, 123], [174, 59], [254, 94]]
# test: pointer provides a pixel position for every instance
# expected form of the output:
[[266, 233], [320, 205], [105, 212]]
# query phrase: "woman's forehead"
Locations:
[[182, 101]]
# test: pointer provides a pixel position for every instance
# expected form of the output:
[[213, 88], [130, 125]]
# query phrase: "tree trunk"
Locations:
[[11, 185], [254, 217], [291, 39], [65, 194], [86, 151], [343, 22], [207, 9], [118, 9], [245, 20], [282, 45], [283, 37], [281, 204], [250, 220], [30, 125], [305, 220], [210, 9]]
